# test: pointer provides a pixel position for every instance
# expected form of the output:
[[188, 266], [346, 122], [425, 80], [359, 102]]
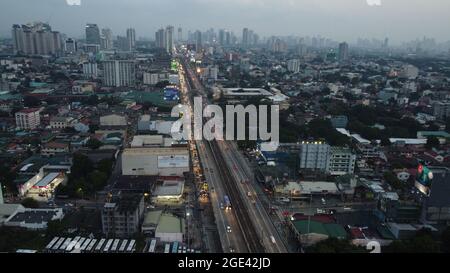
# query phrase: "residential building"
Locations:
[[92, 34], [28, 119], [122, 215], [314, 156], [342, 161], [119, 73], [36, 38]]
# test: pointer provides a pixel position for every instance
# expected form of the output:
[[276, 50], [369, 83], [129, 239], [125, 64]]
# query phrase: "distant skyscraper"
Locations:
[[343, 52], [119, 73], [245, 37], [131, 37], [198, 40], [123, 43], [107, 38], [228, 38], [221, 37], [169, 39], [92, 34], [37, 38], [293, 65], [160, 38], [180, 34]]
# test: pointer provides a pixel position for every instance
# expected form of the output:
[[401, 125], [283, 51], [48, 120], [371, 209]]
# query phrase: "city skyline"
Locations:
[[324, 18]]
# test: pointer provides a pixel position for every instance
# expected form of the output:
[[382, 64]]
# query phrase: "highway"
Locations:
[[249, 211], [231, 241]]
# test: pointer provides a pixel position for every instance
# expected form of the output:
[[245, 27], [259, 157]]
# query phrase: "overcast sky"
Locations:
[[338, 19]]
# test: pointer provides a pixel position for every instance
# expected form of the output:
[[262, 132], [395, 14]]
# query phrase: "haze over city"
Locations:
[[340, 20]]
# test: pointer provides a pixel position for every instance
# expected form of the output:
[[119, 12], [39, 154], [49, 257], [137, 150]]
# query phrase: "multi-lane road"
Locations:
[[227, 173]]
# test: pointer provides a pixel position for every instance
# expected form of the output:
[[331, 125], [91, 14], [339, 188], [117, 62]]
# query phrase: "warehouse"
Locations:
[[161, 161]]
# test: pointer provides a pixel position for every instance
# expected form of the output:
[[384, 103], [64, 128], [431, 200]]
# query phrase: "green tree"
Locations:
[[393, 181], [432, 142], [82, 165], [55, 228], [445, 238], [422, 242], [97, 179], [30, 203], [94, 143]]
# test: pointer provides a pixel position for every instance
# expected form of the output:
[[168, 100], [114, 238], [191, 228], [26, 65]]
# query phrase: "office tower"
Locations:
[[160, 38], [122, 43], [343, 52], [169, 39], [107, 38], [37, 38], [92, 34], [119, 73], [198, 40], [131, 37], [70, 46], [293, 65], [227, 38], [221, 37], [245, 36], [180, 34]]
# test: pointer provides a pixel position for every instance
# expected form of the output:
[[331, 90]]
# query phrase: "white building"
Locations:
[[113, 120], [119, 73], [161, 161], [293, 65], [342, 161], [90, 70], [61, 122], [28, 119]]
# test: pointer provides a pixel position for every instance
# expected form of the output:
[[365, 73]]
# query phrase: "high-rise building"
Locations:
[[293, 65], [107, 38], [131, 37], [92, 34], [119, 73], [221, 37], [37, 38], [342, 161], [28, 119], [198, 40], [90, 70], [180, 34], [228, 38], [441, 109], [169, 39], [160, 38], [122, 43], [343, 52], [1, 194], [245, 37], [70, 46]]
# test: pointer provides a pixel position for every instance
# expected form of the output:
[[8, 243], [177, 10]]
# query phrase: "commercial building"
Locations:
[[37, 38], [119, 73], [28, 119], [441, 109], [34, 219], [131, 38], [53, 148], [168, 192], [90, 70], [343, 52], [92, 34], [61, 122], [342, 161], [122, 216], [169, 34], [107, 39], [170, 228], [161, 161], [315, 156], [113, 120]]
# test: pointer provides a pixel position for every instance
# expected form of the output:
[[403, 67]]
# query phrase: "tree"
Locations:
[[393, 181], [55, 228], [97, 179], [94, 143], [30, 203], [162, 84], [30, 101], [447, 125], [82, 165], [422, 242], [432, 142], [105, 166]]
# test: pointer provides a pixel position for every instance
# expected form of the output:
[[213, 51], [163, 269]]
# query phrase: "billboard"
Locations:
[[424, 179], [173, 161]]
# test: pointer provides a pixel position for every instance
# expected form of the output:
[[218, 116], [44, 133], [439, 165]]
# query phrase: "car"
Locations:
[[221, 205], [320, 211], [324, 202], [231, 249], [228, 229], [249, 194]]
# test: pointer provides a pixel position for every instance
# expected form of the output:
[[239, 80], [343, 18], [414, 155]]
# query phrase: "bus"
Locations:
[[132, 246], [85, 244], [66, 243], [123, 245], [52, 242], [115, 245], [167, 248], [72, 244], [98, 248], [108, 245], [58, 244], [80, 243], [175, 247], [227, 203], [91, 246], [151, 248]]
